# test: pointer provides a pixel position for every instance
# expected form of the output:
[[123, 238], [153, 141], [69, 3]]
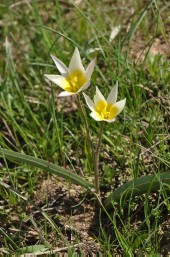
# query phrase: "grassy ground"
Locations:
[[48, 211]]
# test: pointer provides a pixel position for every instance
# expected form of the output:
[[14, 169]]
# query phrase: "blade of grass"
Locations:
[[12, 190], [134, 26], [46, 166], [9, 238]]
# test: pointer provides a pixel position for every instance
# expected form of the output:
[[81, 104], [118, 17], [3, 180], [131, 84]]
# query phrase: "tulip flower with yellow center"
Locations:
[[73, 79], [102, 109]]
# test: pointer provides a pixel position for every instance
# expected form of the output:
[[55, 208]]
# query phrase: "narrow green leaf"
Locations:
[[2, 84], [12, 190], [137, 186], [46, 166], [135, 25], [34, 249]]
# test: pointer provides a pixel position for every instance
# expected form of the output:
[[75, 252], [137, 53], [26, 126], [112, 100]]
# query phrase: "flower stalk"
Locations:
[[96, 152], [96, 162], [85, 121]]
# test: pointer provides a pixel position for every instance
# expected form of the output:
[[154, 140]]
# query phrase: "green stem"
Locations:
[[96, 161], [95, 154], [85, 122]]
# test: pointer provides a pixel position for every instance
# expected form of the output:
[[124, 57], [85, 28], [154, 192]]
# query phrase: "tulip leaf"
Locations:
[[139, 186], [45, 166]]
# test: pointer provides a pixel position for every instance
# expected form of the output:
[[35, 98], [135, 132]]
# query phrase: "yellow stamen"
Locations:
[[106, 111], [74, 81]]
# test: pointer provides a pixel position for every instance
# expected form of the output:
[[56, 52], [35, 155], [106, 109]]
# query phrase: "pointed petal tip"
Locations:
[[94, 59], [124, 100], [90, 68], [52, 56], [75, 62], [112, 97], [47, 76], [89, 102], [116, 85], [60, 65], [76, 50], [120, 105], [98, 96], [97, 89]]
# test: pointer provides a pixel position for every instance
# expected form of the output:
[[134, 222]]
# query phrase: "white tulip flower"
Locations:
[[73, 79], [102, 109]]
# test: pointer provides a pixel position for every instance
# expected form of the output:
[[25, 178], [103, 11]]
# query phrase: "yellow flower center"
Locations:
[[106, 111], [74, 81]]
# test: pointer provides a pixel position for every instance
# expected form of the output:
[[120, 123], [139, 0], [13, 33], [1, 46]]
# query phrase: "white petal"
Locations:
[[75, 63], [112, 120], [85, 86], [98, 96], [120, 105], [60, 65], [89, 102], [95, 116], [90, 69], [65, 93], [57, 79], [112, 97]]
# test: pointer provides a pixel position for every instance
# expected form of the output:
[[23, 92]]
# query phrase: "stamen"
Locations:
[[106, 111], [75, 81]]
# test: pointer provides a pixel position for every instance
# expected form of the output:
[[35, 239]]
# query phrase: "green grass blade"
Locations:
[[11, 189], [46, 166], [134, 26], [8, 237], [38, 249], [138, 186]]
